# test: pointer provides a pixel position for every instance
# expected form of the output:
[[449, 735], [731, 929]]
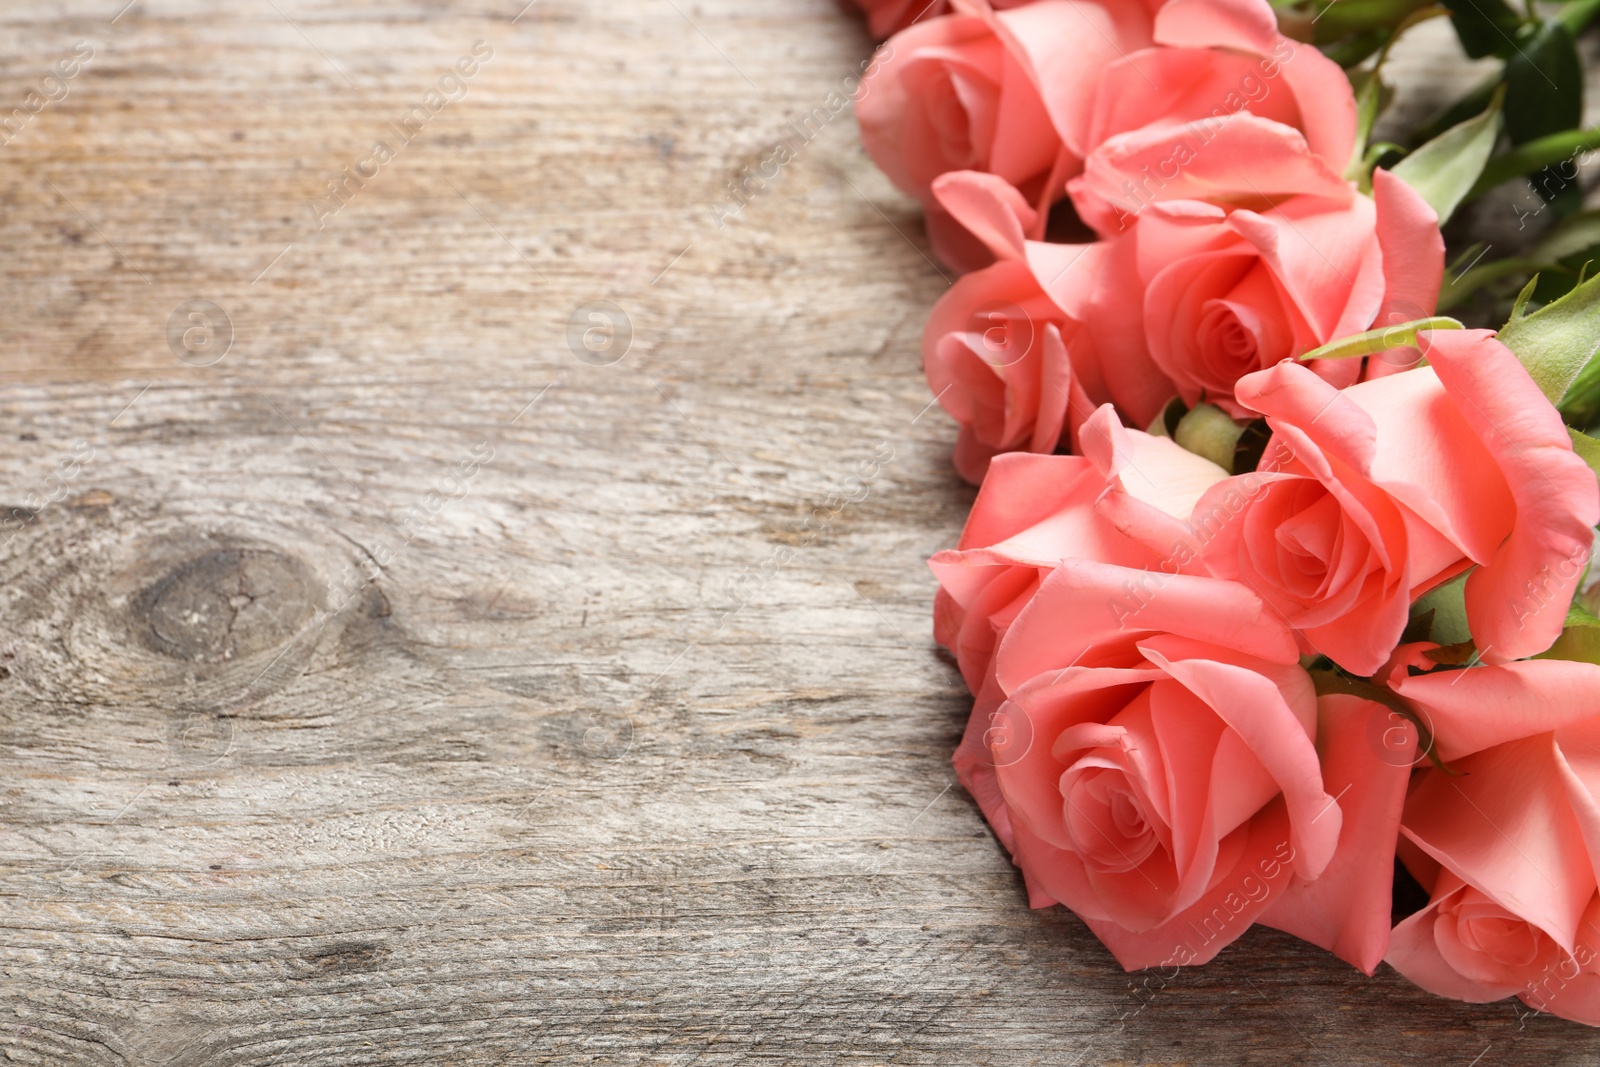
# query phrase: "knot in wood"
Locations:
[[225, 604]]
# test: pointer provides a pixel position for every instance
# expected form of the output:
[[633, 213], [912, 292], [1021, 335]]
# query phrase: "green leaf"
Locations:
[[1400, 335], [1463, 285], [1486, 27], [1571, 237], [1463, 109], [1587, 448], [1563, 147], [1544, 84], [1353, 50], [1544, 96], [1581, 405], [1579, 13], [1370, 98], [1340, 18], [1559, 340], [1445, 169], [1579, 640]]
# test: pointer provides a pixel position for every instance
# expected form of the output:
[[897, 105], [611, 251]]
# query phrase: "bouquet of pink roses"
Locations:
[[1276, 580]]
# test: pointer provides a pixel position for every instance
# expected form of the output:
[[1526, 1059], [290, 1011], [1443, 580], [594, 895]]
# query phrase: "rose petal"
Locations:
[[1222, 914], [1066, 43], [1327, 107], [1414, 952], [1482, 706], [1246, 25], [988, 207], [1413, 250], [1114, 605], [1347, 909], [1505, 826], [1517, 602], [1259, 712], [1228, 159]]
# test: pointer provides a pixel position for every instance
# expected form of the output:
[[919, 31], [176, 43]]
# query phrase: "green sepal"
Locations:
[[1557, 342], [1400, 335]]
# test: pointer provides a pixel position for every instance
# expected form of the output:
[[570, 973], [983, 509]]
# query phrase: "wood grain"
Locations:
[[402, 688]]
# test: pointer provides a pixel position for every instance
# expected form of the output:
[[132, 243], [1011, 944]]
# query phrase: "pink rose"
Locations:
[[1214, 60], [885, 18], [1156, 769], [960, 92], [888, 17], [995, 354], [1510, 842], [1370, 496], [1018, 369], [1254, 251], [1124, 500], [1026, 94], [1467, 946], [1192, 298]]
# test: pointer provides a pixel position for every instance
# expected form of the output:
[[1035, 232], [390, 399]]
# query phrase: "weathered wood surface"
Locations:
[[302, 765]]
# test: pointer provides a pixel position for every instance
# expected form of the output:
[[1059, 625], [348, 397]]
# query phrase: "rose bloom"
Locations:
[[1026, 94], [1467, 946], [888, 17], [1510, 842], [885, 18], [1016, 367], [1192, 297], [1248, 248], [1373, 495], [1157, 770], [995, 352], [1125, 500]]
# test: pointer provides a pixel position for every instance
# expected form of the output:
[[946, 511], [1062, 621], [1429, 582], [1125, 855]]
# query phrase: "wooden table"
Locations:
[[399, 664]]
